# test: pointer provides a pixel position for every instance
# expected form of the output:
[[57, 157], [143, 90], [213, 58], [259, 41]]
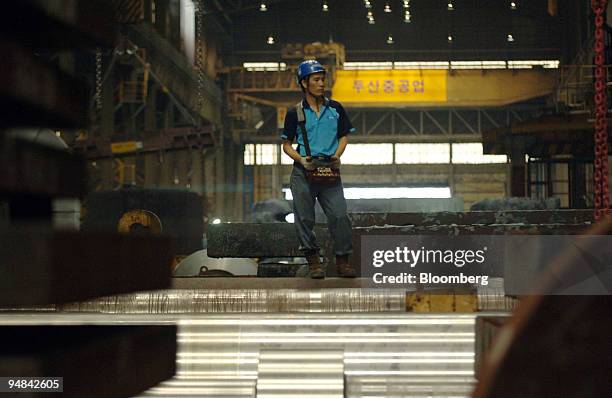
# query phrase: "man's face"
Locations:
[[315, 84]]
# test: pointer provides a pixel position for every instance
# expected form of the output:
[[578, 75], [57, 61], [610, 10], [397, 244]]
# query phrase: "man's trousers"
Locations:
[[331, 199]]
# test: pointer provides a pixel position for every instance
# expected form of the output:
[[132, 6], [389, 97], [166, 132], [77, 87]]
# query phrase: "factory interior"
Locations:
[[156, 240]]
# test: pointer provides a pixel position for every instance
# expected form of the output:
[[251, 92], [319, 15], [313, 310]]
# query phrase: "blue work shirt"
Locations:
[[323, 131]]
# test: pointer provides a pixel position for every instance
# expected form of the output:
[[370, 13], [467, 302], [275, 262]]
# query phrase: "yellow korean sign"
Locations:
[[125, 146], [390, 86]]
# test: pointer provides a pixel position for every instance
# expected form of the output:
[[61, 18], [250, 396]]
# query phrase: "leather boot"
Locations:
[[314, 266], [344, 268]]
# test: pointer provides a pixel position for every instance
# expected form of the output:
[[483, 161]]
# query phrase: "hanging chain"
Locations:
[[602, 195], [199, 14], [98, 79]]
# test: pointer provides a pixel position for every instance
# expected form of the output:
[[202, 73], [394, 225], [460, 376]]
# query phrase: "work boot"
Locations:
[[344, 269], [314, 266]]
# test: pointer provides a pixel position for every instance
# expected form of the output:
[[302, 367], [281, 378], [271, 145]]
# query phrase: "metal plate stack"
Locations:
[[43, 266]]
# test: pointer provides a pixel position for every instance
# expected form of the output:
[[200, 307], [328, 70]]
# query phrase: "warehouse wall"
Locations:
[[228, 188], [472, 182]]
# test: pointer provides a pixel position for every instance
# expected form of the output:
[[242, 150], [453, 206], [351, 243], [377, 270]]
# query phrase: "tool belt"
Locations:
[[322, 173]]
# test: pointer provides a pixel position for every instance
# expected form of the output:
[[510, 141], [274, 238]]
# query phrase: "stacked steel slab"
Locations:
[[43, 266]]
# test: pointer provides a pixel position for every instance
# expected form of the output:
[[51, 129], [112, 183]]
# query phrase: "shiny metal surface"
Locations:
[[493, 297], [384, 354], [246, 300], [414, 387], [300, 374], [196, 301]]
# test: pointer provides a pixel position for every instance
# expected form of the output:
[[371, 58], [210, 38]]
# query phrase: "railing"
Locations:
[[575, 83], [575, 88], [583, 57]]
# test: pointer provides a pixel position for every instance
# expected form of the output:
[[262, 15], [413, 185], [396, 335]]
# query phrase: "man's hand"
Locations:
[[307, 163], [335, 164]]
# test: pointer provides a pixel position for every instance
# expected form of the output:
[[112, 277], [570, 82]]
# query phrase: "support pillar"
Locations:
[[577, 185], [518, 167]]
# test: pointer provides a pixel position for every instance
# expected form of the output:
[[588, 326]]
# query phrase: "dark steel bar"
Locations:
[[474, 217], [30, 169], [59, 267], [127, 359]]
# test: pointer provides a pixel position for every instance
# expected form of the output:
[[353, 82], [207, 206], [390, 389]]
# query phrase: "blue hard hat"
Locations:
[[308, 68]]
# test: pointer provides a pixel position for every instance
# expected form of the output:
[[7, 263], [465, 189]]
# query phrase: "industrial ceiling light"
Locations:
[[406, 3], [263, 7], [387, 7], [367, 4], [371, 17], [513, 5], [389, 39], [449, 38], [510, 38], [407, 17], [450, 6], [270, 40], [325, 6]]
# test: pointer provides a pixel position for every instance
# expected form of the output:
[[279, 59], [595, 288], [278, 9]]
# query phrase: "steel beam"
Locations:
[[322, 371], [272, 295], [47, 267], [543, 136], [66, 24], [176, 75], [280, 240], [474, 217], [153, 141], [34, 94], [449, 124], [127, 359], [27, 168], [250, 136], [256, 240]]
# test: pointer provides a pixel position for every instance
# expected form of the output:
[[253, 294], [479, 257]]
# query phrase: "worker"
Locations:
[[316, 168]]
